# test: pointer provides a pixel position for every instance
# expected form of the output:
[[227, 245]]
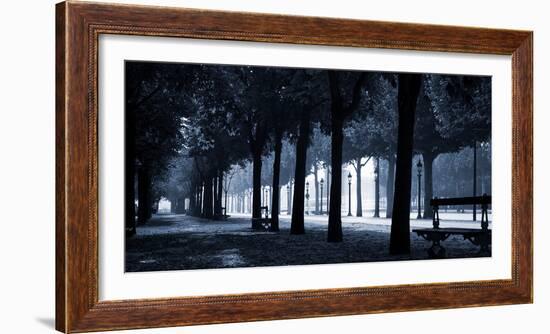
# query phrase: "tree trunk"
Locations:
[[130, 175], [262, 196], [220, 190], [338, 115], [316, 181], [377, 189], [129, 200], [276, 187], [359, 211], [198, 212], [407, 94], [191, 203], [297, 221], [250, 203], [390, 186], [335, 214], [208, 199], [428, 183], [240, 202], [280, 198], [215, 195], [196, 204], [201, 199], [289, 199], [144, 195], [475, 180], [225, 202], [256, 184], [327, 183], [173, 205]]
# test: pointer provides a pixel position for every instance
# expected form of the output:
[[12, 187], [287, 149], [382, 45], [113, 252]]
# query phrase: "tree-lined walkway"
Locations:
[[176, 242], [198, 133]]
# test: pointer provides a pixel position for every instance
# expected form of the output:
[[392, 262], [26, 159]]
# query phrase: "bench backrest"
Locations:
[[485, 199]]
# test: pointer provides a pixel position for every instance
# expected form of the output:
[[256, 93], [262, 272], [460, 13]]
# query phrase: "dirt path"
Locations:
[[176, 242]]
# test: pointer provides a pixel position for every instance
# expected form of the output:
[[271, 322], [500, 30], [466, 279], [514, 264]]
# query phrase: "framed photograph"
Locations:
[[222, 167]]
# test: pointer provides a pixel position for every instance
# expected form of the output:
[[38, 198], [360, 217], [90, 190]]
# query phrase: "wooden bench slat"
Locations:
[[453, 230], [461, 200]]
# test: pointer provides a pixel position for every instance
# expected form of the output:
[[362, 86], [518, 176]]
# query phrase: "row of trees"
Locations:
[[455, 168], [189, 125]]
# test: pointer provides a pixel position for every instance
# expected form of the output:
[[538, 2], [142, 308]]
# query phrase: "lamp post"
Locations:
[[288, 199], [322, 182], [307, 198], [419, 168], [349, 194]]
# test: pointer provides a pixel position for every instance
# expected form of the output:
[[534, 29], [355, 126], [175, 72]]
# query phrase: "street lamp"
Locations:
[[307, 198], [349, 194], [322, 182], [419, 168]]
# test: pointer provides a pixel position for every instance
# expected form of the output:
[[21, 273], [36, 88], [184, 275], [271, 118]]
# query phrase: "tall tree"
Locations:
[[377, 188], [382, 127], [390, 183], [407, 95], [319, 156], [154, 109], [357, 151], [297, 223], [429, 142], [453, 112], [283, 121], [343, 103], [368, 133], [252, 112], [307, 90]]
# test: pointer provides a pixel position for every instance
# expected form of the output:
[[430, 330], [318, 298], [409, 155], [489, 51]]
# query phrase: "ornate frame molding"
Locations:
[[78, 26]]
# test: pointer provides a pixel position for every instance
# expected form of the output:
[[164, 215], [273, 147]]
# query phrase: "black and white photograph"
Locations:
[[250, 166], [275, 166]]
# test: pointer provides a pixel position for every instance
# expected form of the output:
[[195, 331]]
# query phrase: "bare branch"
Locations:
[[366, 161]]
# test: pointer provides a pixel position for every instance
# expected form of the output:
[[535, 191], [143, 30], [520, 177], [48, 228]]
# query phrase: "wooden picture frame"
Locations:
[[78, 26]]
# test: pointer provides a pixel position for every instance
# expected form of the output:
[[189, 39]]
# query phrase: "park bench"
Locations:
[[479, 237], [263, 223]]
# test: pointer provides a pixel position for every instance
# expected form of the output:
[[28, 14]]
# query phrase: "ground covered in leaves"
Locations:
[[177, 242]]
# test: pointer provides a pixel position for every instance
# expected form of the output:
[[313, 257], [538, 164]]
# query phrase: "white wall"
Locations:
[[27, 165]]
